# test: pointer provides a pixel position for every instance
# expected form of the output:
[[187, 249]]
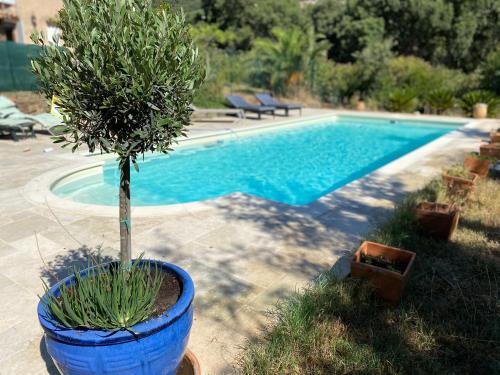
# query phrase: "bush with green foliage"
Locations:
[[403, 100], [458, 34], [109, 297], [420, 76], [440, 100], [490, 72], [124, 78], [469, 100]]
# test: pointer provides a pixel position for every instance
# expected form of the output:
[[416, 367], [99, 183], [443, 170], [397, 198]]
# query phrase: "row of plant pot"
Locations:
[[387, 268]]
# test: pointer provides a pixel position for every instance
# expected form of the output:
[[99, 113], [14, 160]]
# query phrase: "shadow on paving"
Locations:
[[50, 366], [64, 264]]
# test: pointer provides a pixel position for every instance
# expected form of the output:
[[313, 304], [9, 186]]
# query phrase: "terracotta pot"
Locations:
[[460, 184], [481, 167], [189, 365], [388, 284], [480, 111], [438, 221], [360, 105], [495, 137], [490, 149]]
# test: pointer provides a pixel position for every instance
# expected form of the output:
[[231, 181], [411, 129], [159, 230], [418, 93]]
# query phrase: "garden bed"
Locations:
[[447, 321]]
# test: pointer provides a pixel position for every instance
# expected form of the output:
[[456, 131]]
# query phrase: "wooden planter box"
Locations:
[[438, 221], [481, 167], [460, 184], [491, 149], [388, 284], [495, 137]]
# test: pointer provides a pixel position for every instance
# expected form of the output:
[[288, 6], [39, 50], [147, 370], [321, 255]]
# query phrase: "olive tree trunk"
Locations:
[[125, 224]]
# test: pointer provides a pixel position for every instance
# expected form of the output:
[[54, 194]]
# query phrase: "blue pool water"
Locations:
[[294, 165]]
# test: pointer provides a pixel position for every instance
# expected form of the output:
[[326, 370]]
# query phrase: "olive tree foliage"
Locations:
[[124, 77]]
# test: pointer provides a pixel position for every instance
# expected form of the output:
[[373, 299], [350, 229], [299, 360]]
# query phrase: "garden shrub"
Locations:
[[490, 72], [402, 100], [419, 76], [440, 100]]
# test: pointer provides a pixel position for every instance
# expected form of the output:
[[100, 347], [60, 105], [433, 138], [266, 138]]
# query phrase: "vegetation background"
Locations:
[[401, 55]]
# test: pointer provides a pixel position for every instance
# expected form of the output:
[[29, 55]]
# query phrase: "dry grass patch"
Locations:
[[448, 321]]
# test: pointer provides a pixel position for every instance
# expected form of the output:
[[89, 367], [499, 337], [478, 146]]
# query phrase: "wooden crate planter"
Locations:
[[476, 165], [460, 186], [491, 149], [436, 220], [495, 137], [388, 284]]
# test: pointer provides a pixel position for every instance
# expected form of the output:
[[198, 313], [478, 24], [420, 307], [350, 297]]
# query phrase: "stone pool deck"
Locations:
[[243, 253]]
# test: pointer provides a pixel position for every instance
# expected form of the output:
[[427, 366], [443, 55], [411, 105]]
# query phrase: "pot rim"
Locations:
[[94, 337]]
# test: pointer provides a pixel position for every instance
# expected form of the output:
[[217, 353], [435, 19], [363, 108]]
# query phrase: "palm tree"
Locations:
[[290, 57]]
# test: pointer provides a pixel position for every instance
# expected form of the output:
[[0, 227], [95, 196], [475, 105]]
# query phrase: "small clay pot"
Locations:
[[388, 284], [480, 111], [438, 221], [478, 166], [189, 365], [490, 149]]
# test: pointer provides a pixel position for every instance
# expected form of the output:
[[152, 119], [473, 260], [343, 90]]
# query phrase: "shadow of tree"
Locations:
[[63, 264]]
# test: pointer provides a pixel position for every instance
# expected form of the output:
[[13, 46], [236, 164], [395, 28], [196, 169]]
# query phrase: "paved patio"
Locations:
[[243, 254]]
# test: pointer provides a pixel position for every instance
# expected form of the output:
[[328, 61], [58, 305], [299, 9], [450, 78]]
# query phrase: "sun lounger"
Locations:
[[240, 103], [47, 121], [239, 113], [15, 126], [6, 103], [268, 100]]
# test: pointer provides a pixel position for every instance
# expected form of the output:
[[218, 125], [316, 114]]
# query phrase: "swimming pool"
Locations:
[[292, 164]]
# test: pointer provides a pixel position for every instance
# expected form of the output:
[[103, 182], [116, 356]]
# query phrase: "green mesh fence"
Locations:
[[15, 66]]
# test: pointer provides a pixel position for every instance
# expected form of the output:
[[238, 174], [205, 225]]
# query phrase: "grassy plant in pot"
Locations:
[[459, 183], [491, 150], [386, 268], [124, 78], [477, 164]]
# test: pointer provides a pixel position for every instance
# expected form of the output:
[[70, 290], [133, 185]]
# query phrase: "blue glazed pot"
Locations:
[[157, 348]]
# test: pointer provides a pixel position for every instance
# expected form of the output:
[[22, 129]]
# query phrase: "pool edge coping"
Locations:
[[38, 190]]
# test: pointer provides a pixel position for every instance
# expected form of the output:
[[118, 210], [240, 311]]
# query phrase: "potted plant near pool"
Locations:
[[459, 182], [477, 164], [386, 268], [124, 77], [437, 220]]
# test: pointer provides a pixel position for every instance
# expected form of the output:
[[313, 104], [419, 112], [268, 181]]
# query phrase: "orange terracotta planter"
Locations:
[[490, 149], [189, 365], [360, 105], [438, 221], [388, 284], [495, 137], [460, 184], [481, 167]]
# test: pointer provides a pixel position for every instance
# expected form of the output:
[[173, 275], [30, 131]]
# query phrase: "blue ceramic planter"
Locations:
[[157, 349]]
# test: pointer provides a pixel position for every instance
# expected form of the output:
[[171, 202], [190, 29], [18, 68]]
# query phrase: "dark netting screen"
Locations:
[[15, 66]]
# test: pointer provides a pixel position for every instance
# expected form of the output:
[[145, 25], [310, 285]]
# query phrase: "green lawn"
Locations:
[[448, 321]]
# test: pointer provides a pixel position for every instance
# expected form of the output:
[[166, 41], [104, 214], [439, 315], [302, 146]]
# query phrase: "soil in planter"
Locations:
[[168, 295], [382, 262]]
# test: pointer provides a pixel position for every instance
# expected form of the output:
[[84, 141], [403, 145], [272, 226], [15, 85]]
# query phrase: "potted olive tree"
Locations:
[[124, 76]]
